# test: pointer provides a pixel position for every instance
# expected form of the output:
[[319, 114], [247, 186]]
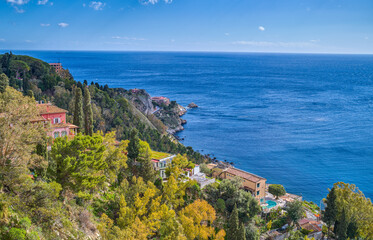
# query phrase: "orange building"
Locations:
[[251, 182]]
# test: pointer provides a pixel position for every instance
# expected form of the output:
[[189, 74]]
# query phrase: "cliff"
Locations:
[[168, 114]]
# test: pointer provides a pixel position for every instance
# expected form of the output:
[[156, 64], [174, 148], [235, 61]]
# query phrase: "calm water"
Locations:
[[304, 121]]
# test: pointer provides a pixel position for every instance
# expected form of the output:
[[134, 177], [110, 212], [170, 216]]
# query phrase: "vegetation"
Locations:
[[102, 185], [348, 212], [276, 190]]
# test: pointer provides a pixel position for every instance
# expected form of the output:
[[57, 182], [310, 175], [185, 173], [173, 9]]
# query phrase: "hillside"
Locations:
[[113, 108]]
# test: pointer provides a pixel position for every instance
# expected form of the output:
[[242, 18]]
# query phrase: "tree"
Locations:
[[88, 114], [19, 136], [78, 109], [341, 228], [295, 211], [252, 233], [18, 67], [330, 213], [241, 233], [4, 82], [145, 168], [78, 164], [277, 190], [234, 225], [133, 151], [196, 219]]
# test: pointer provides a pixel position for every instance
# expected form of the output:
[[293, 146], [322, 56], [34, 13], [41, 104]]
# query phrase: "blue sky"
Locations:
[[312, 26]]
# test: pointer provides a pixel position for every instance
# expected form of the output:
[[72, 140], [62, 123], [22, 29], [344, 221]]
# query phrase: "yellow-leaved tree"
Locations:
[[197, 219]]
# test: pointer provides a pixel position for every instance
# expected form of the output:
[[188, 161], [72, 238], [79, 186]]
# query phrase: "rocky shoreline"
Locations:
[[168, 112]]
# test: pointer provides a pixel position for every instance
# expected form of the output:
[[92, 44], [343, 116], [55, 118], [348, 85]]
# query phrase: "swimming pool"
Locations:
[[270, 203]]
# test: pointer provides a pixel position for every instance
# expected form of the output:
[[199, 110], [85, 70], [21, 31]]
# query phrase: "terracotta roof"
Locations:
[[46, 108], [155, 160], [245, 175], [62, 125], [39, 119]]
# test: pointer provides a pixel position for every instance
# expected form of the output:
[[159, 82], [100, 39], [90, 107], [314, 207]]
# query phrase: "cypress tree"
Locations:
[[88, 114], [330, 213], [133, 151], [241, 233], [341, 229], [4, 82], [78, 109], [233, 230]]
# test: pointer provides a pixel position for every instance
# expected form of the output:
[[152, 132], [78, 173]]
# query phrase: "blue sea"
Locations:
[[301, 120]]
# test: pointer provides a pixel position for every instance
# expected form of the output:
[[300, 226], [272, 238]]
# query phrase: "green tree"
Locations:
[[233, 232], [295, 211], [133, 151], [19, 136], [341, 227], [252, 233], [4, 82], [88, 113], [241, 232], [78, 164], [330, 213], [277, 190], [145, 167], [78, 109]]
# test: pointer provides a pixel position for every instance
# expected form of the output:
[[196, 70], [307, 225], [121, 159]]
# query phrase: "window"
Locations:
[[63, 133], [257, 193], [258, 185], [56, 120], [56, 134]]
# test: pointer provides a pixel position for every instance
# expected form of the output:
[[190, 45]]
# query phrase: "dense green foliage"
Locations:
[[111, 110], [276, 190], [88, 114]]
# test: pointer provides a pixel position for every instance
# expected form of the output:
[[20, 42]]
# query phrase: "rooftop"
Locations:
[[63, 125], [159, 155], [46, 108], [243, 174]]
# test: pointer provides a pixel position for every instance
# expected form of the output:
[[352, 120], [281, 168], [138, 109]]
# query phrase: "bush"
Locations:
[[17, 234]]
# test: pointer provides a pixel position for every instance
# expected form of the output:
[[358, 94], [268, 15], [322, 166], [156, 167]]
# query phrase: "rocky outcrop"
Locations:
[[169, 114], [192, 105], [141, 100]]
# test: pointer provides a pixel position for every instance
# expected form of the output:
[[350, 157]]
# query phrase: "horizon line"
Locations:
[[184, 51]]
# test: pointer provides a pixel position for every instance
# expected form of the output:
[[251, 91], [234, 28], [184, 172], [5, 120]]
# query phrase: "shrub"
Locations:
[[17, 234]]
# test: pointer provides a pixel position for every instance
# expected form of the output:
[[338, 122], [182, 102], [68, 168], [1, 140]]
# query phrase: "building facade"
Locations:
[[57, 118], [160, 165], [57, 67], [251, 182]]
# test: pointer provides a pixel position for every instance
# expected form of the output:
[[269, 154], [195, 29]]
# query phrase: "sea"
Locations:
[[301, 120]]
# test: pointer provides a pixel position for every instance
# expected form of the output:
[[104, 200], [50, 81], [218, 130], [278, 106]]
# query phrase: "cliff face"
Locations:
[[141, 100], [168, 114]]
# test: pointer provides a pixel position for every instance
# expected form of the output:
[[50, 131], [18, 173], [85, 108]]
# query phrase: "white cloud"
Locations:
[[42, 2], [226, 34], [261, 28], [28, 41], [44, 24], [275, 44], [129, 38], [97, 5], [63, 25], [17, 2], [172, 40], [2, 40], [146, 2], [366, 38]]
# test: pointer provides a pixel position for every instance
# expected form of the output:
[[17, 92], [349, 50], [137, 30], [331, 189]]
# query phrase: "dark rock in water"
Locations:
[[192, 105]]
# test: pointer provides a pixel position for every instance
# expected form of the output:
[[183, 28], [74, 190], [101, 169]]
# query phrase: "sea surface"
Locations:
[[301, 120]]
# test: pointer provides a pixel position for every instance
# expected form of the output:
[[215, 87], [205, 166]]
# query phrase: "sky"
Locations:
[[292, 26]]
